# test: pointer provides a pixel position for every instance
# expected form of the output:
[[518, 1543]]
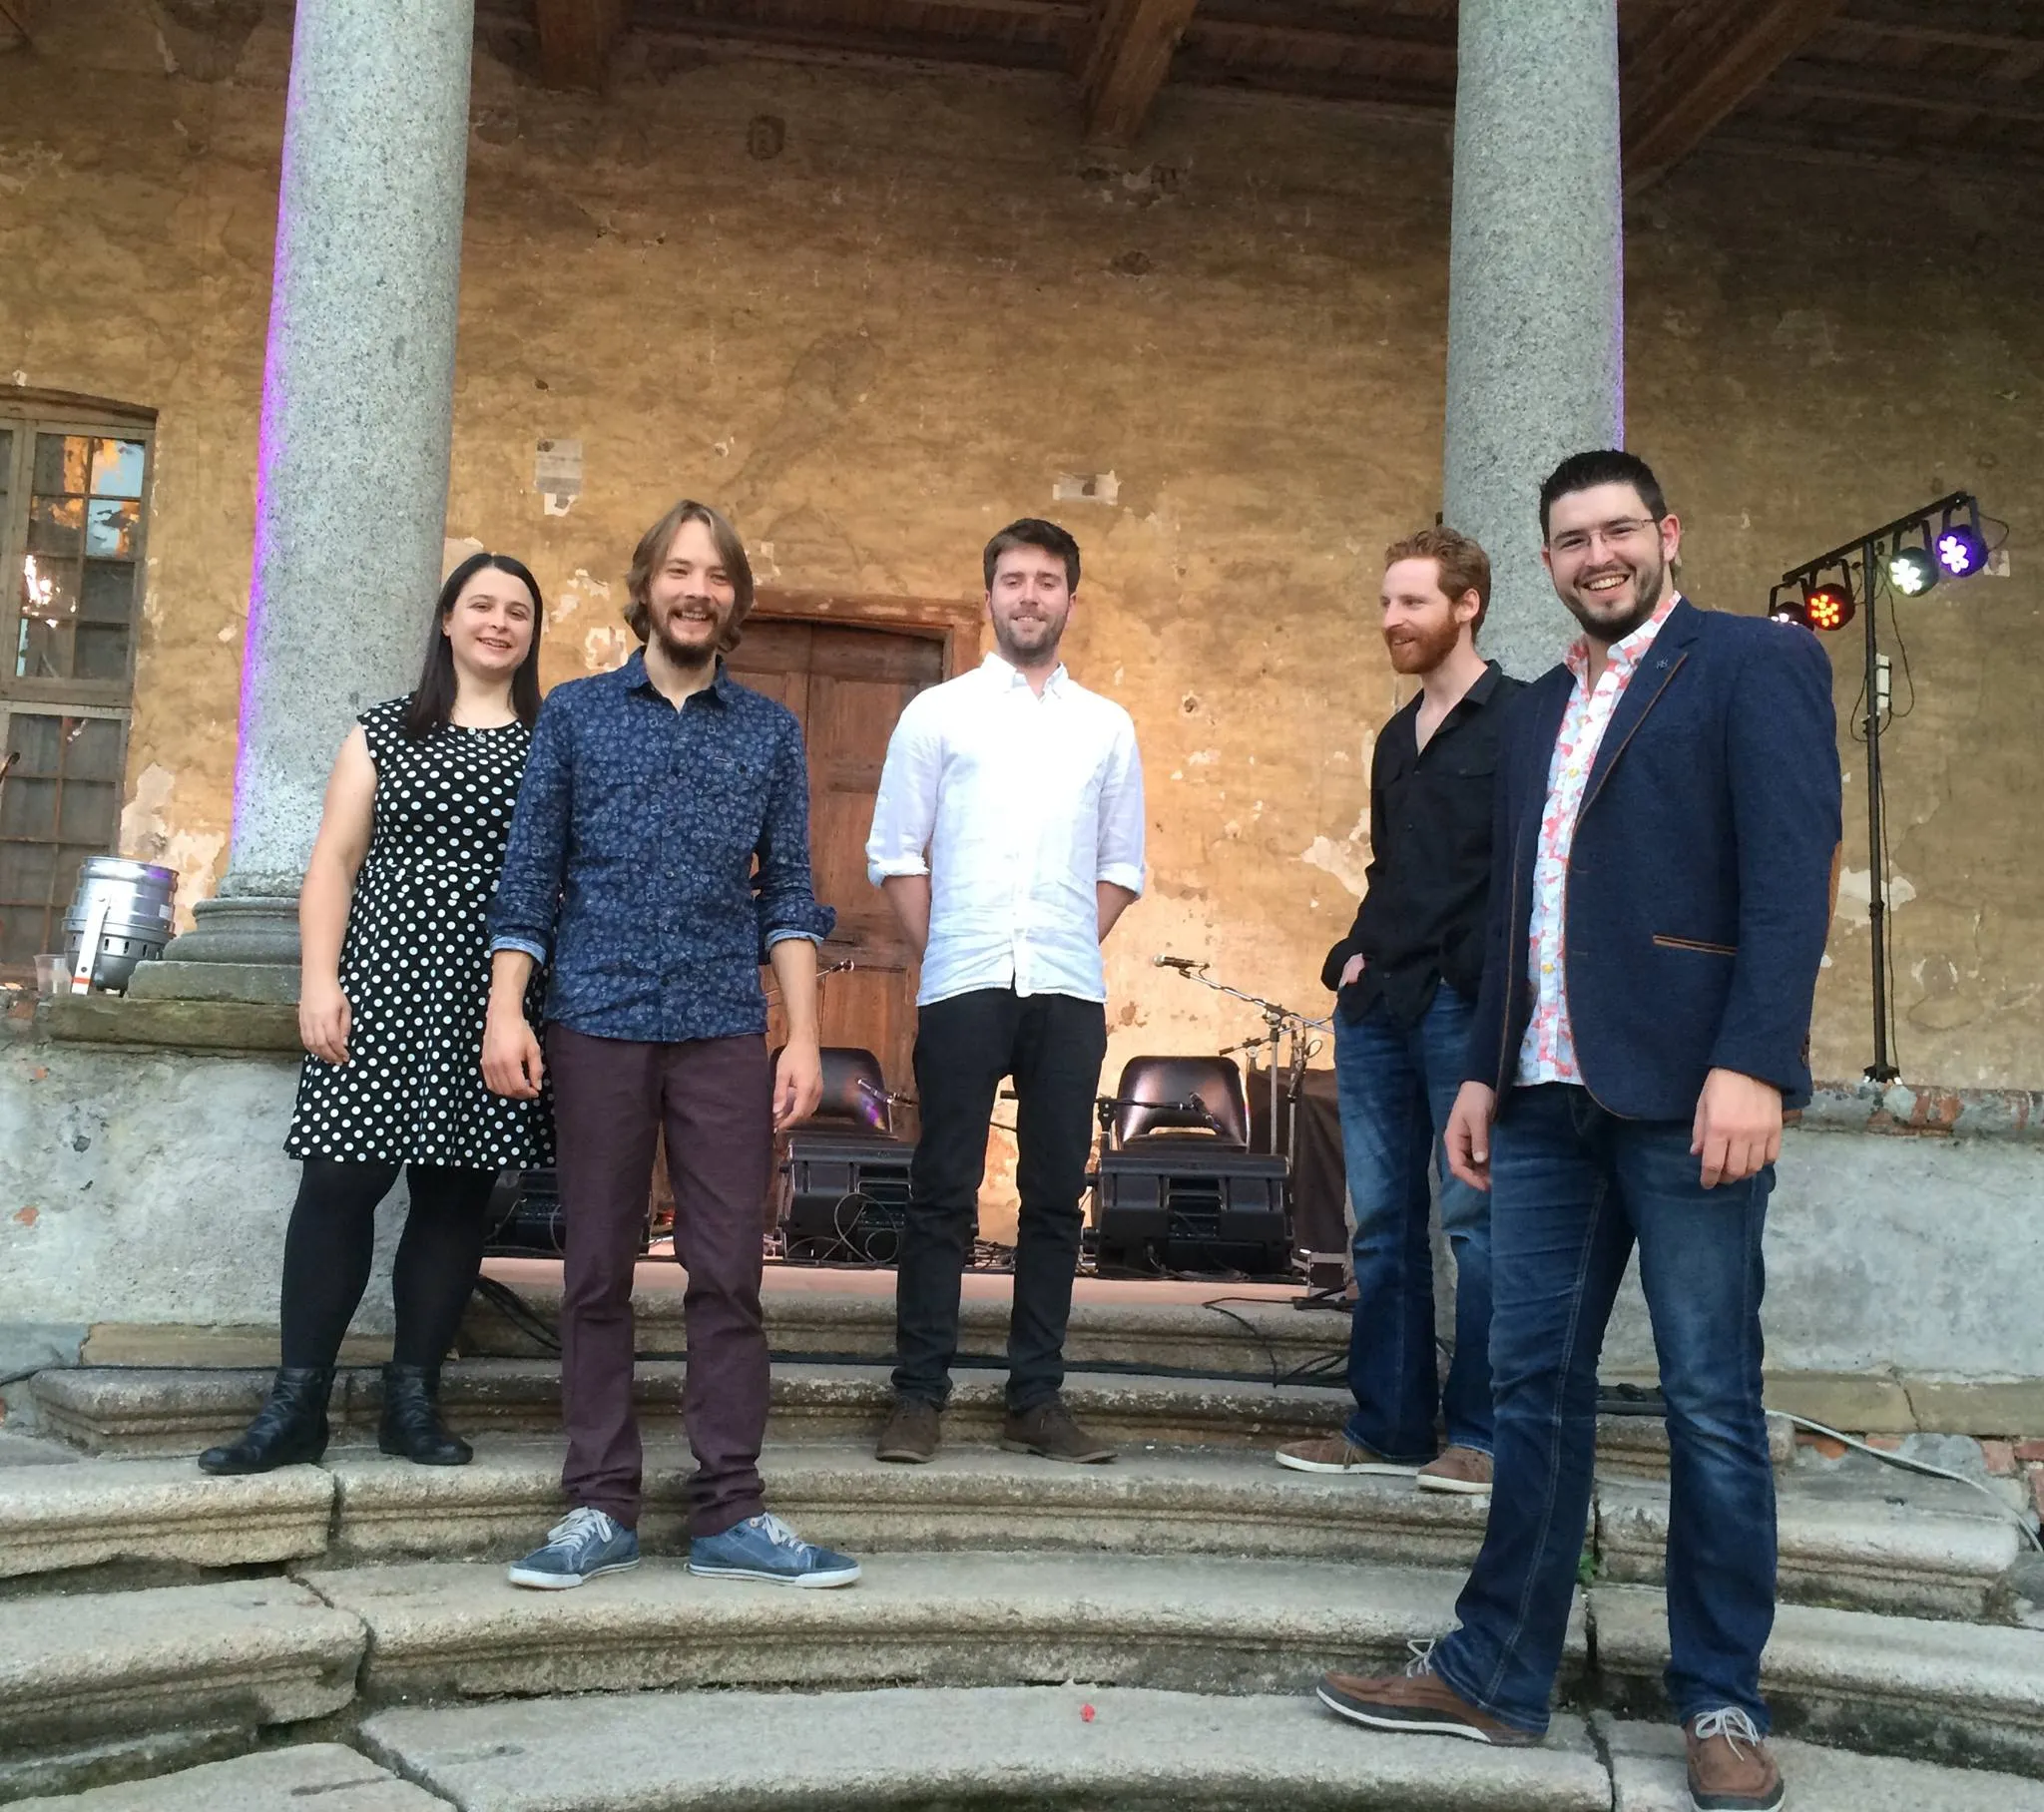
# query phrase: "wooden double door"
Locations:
[[846, 684]]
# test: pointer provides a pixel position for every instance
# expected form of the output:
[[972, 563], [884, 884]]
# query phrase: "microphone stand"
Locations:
[[1282, 1027]]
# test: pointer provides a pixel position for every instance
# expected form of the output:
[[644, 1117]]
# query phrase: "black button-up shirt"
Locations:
[[1421, 918], [656, 854]]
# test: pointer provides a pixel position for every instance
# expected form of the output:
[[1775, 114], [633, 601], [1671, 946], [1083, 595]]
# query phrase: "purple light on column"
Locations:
[[1960, 551]]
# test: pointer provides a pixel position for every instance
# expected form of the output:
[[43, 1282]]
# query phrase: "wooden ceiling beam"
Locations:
[[1856, 85], [1698, 66], [576, 38], [1126, 64], [1980, 25]]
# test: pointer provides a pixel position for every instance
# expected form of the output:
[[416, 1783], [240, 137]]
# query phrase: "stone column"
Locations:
[[1536, 323], [358, 417]]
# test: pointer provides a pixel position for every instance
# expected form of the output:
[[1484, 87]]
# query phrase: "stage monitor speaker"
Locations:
[[1186, 1205], [526, 1221], [844, 1197]]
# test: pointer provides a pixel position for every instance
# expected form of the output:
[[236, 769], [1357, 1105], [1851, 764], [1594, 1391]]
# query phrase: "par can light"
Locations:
[[1960, 551], [1828, 604], [1912, 571]]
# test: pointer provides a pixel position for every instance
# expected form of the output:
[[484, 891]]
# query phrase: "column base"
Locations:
[[240, 948]]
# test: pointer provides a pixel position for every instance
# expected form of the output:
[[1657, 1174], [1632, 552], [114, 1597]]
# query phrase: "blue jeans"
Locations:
[[1395, 1090], [1572, 1188]]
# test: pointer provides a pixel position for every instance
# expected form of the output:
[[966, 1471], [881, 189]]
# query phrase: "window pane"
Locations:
[[100, 650], [92, 747], [28, 808], [117, 468], [44, 650], [110, 525], [26, 872], [54, 524], [85, 813], [109, 594], [37, 741], [61, 462]]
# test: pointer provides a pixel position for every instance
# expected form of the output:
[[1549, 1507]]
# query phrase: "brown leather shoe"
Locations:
[[1339, 1453], [911, 1437], [1459, 1469], [1048, 1429], [1730, 1769], [1417, 1699]]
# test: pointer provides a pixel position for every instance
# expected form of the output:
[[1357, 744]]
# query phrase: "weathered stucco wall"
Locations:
[[897, 331]]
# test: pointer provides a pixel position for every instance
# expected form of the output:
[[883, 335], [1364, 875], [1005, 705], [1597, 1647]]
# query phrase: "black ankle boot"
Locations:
[[289, 1429], [411, 1426]]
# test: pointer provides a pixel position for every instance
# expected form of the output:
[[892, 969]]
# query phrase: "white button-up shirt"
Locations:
[[1015, 805], [1547, 1054]]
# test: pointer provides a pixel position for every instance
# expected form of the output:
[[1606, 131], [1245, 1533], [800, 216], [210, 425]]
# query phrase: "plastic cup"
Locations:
[[50, 972]]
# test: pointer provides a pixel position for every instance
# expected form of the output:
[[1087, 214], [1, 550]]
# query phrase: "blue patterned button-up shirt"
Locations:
[[632, 856]]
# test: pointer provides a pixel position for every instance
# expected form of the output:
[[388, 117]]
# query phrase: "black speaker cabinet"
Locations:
[[526, 1220], [843, 1196], [1192, 1204]]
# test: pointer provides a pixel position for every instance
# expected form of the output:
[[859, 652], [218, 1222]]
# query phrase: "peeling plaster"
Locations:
[[146, 837], [1856, 893]]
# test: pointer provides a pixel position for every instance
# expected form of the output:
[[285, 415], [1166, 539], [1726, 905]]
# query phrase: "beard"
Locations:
[[1419, 649], [685, 654], [1032, 640], [1648, 576]]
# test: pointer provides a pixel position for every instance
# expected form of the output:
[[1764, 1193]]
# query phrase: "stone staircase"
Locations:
[[1138, 1634]]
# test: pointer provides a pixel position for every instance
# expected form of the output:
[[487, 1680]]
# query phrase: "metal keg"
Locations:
[[126, 908]]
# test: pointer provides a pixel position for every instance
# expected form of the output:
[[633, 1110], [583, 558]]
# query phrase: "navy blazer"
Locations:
[[1699, 883]]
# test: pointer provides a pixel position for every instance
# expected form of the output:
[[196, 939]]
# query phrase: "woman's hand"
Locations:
[[324, 1019]]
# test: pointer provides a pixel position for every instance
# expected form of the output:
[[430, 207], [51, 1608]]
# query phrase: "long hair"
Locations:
[[652, 551], [432, 699]]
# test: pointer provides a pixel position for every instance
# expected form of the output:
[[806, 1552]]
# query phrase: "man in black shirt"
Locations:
[[1407, 976]]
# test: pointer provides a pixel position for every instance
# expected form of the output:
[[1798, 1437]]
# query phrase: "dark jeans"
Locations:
[[1572, 1188], [610, 1098], [332, 1241], [1396, 1088], [1053, 1045]]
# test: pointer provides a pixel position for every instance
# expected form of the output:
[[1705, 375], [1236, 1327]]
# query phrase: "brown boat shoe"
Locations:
[[1465, 1470], [1339, 1453], [1730, 1769], [1048, 1427], [1416, 1700], [912, 1435]]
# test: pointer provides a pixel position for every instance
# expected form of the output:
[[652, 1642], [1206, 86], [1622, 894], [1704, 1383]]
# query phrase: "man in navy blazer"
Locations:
[[1667, 828]]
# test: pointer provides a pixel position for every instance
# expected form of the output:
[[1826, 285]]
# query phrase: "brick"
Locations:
[[1888, 1444], [1824, 1444], [2000, 1457], [2031, 1451]]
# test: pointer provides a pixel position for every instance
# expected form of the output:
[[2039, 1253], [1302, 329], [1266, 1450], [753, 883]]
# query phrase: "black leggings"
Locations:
[[332, 1241]]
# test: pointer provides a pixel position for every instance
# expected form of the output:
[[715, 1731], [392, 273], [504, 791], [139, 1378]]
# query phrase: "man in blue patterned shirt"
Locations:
[[658, 853]]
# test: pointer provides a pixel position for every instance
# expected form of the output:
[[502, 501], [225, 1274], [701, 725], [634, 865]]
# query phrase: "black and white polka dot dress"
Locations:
[[415, 964]]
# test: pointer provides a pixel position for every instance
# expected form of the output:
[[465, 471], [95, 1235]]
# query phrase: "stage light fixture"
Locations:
[[1912, 571], [1828, 604], [1787, 609], [1959, 548]]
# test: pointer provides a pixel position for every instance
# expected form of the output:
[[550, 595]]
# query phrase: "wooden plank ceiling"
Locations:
[[1926, 83]]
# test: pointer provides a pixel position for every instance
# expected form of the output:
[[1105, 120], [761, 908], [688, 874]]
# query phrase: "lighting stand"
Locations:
[[1880, 1070]]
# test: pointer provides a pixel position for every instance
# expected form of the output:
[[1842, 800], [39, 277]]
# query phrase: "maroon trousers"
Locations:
[[611, 1099]]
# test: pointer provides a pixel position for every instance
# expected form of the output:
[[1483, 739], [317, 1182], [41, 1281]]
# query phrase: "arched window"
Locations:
[[74, 504]]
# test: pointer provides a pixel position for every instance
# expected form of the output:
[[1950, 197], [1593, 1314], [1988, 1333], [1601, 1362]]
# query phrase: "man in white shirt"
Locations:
[[1008, 838]]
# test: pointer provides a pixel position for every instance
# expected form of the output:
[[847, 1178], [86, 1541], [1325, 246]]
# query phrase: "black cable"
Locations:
[[520, 1313]]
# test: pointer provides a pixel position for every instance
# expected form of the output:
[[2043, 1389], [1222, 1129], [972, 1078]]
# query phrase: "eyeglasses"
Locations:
[[1614, 534]]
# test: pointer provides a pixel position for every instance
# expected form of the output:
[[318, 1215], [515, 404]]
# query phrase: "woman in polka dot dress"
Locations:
[[394, 985]]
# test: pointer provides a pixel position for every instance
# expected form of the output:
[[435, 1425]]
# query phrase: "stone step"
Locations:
[[1252, 1333], [117, 1409], [1030, 1746], [1916, 1548], [152, 1512], [1919, 1560], [1648, 1774], [337, 1778], [442, 1629], [1889, 1686], [81, 1670], [1155, 1501]]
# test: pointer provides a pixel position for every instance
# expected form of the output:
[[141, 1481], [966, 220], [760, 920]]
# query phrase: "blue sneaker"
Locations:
[[765, 1548], [579, 1545]]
